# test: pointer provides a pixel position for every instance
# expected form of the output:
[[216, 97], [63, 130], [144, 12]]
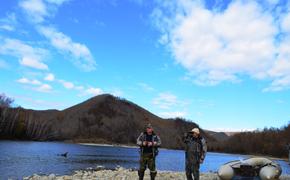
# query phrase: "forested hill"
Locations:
[[269, 141], [102, 119]]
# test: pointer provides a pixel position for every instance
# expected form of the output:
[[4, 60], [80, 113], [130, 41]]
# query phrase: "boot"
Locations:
[[153, 175], [141, 175]]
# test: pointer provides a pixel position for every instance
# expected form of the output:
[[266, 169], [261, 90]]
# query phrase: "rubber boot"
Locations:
[[153, 175], [188, 176], [141, 175]]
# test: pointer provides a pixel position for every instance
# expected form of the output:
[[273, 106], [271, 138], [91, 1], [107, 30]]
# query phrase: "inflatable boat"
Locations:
[[252, 167]]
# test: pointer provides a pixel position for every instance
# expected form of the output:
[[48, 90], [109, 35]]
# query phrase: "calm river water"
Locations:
[[18, 158]]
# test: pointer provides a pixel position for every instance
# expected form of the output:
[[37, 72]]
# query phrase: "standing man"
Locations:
[[195, 151], [149, 143]]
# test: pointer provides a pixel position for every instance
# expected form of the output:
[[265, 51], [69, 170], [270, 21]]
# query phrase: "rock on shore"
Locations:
[[118, 174], [123, 174]]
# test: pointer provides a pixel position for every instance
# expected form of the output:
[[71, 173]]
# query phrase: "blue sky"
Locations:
[[222, 64]]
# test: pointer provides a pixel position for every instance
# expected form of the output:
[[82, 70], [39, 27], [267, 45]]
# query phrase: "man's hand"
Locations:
[[154, 143], [144, 143], [149, 143]]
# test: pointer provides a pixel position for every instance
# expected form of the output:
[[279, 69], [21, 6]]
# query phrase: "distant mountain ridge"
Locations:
[[101, 119], [220, 136]]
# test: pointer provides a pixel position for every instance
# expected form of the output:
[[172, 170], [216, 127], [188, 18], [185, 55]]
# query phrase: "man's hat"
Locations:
[[195, 130], [149, 126]]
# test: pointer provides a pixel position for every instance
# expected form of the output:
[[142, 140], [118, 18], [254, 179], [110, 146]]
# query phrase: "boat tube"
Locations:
[[252, 167]]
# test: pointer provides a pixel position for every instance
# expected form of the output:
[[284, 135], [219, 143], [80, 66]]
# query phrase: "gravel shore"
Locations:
[[123, 174]]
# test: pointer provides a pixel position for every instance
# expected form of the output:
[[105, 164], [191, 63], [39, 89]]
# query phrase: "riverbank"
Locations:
[[119, 174], [124, 174], [108, 145]]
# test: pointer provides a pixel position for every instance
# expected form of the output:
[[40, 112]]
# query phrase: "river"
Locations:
[[24, 158]]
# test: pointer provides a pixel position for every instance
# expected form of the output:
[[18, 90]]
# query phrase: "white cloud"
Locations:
[[217, 46], [38, 11], [7, 27], [49, 77], [80, 88], [79, 53], [8, 23], [36, 85], [173, 114], [35, 9], [28, 81], [117, 92], [93, 91], [33, 63], [168, 100], [146, 87], [231, 130], [165, 100], [33, 103], [67, 84], [57, 2], [44, 88], [286, 23], [28, 56]]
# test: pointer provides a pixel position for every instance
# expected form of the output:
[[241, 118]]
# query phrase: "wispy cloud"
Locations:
[[221, 45], [172, 114], [79, 53], [93, 91], [39, 11], [29, 81], [117, 92], [35, 9], [36, 85], [33, 63], [30, 102], [167, 100], [57, 2], [8, 23], [27, 55], [169, 105], [49, 77], [7, 27], [44, 88], [146, 87], [67, 84]]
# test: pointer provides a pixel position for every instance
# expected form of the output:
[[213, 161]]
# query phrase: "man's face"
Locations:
[[149, 130], [195, 135]]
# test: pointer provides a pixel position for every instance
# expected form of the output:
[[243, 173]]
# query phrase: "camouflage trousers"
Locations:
[[147, 160], [192, 168]]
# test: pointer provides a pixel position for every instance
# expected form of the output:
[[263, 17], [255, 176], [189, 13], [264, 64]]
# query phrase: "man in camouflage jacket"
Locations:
[[195, 151], [149, 143]]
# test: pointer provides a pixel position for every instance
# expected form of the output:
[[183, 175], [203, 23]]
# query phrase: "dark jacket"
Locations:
[[143, 138], [195, 148]]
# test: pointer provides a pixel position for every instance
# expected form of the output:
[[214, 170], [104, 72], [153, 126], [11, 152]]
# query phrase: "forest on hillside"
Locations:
[[18, 123], [268, 141]]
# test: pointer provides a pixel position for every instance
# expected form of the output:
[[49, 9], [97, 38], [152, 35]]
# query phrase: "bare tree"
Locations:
[[5, 101]]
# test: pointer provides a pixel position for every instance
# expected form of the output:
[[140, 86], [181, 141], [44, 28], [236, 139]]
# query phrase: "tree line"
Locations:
[[116, 123], [268, 141]]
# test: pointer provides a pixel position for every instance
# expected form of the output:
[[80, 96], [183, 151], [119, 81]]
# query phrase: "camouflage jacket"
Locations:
[[195, 147], [155, 138]]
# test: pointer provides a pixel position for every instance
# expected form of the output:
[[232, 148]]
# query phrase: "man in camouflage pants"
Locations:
[[149, 143], [195, 151]]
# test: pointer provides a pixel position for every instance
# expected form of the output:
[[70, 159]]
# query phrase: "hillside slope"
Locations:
[[102, 119]]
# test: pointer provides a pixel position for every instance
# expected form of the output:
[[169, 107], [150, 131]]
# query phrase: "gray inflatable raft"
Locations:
[[261, 167]]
